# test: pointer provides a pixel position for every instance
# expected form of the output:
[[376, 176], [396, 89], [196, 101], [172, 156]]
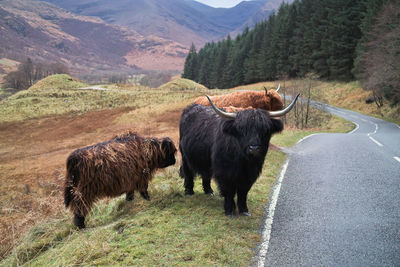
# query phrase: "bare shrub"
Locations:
[[379, 69], [28, 73], [155, 79], [303, 115]]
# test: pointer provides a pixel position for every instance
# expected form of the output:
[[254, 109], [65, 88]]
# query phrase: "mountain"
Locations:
[[183, 21], [103, 36], [264, 11], [86, 45]]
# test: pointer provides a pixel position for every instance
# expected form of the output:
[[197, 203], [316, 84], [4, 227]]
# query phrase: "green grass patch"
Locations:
[[170, 229], [5, 62], [44, 102], [328, 124], [183, 84], [58, 81], [290, 137]]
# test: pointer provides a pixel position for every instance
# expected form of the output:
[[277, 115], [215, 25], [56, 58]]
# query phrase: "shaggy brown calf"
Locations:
[[237, 101], [122, 165]]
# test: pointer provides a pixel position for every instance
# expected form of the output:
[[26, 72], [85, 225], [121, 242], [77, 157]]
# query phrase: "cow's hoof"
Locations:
[[129, 196], [145, 195], [189, 193], [211, 194], [246, 213], [79, 221], [230, 214]]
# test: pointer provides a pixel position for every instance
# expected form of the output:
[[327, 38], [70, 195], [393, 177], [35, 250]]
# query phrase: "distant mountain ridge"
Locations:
[[266, 9], [183, 21], [102, 36], [86, 45]]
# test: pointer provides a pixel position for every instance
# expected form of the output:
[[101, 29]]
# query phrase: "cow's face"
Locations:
[[253, 130], [273, 100], [168, 151]]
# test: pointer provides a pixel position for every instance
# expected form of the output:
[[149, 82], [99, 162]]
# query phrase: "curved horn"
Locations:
[[266, 90], [221, 113], [280, 113], [277, 89]]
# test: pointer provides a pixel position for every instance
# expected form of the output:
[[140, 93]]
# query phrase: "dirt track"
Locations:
[[33, 154]]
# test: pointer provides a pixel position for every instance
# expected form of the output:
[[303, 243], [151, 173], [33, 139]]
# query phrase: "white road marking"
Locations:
[[376, 142], [397, 158], [304, 138], [364, 120], [355, 129], [376, 129], [266, 234]]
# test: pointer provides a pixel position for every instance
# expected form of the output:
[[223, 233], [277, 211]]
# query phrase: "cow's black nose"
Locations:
[[254, 149]]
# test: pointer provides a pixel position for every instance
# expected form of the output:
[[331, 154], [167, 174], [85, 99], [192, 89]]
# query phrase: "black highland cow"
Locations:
[[231, 147]]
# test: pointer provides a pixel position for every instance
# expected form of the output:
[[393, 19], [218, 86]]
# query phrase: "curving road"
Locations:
[[337, 200]]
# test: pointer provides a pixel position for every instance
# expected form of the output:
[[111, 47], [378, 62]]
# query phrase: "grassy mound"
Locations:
[[183, 84], [57, 81]]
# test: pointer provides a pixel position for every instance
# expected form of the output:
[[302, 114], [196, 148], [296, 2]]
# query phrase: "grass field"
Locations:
[[40, 127]]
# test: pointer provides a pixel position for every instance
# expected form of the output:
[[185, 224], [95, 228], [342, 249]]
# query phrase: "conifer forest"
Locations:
[[330, 39]]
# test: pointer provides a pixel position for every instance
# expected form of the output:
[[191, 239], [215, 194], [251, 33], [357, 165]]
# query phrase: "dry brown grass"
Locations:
[[33, 154], [348, 95]]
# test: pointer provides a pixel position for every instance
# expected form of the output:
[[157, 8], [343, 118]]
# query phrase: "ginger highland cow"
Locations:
[[238, 101]]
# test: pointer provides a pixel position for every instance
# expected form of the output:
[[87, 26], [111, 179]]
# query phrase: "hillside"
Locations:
[[262, 13], [87, 45], [182, 21], [100, 37]]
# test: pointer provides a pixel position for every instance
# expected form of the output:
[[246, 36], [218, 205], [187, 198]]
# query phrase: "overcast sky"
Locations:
[[221, 3]]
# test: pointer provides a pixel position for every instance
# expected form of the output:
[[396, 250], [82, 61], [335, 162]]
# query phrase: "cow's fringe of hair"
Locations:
[[123, 164]]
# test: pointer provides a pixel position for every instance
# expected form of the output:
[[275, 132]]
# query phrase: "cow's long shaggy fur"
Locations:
[[267, 100], [122, 165], [230, 150]]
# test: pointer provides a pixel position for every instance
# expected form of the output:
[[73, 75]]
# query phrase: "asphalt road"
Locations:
[[337, 202]]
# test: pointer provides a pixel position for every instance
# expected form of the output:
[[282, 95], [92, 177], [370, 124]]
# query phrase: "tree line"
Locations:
[[378, 61], [29, 72], [333, 39]]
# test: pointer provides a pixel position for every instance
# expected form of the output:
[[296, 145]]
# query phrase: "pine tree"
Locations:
[[255, 41], [344, 33], [319, 43], [190, 70], [226, 50], [266, 64]]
